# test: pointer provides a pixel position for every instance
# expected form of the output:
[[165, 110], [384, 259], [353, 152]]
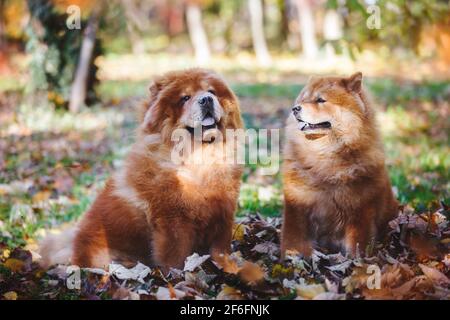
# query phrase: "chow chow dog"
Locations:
[[337, 191], [156, 210]]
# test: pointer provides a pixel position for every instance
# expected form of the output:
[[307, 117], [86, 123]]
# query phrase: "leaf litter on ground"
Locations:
[[254, 271]]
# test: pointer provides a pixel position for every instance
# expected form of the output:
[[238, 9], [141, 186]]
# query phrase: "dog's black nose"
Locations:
[[205, 101], [296, 109]]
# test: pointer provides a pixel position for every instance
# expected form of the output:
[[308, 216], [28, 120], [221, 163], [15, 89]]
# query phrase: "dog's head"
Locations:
[[331, 105], [195, 100]]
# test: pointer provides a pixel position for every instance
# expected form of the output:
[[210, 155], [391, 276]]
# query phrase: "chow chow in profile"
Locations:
[[337, 191], [155, 210]]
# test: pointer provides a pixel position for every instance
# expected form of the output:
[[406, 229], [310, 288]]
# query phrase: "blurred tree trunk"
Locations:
[[79, 85], [257, 26], [2, 22], [197, 33], [284, 23], [307, 28], [332, 31], [137, 21], [3, 47]]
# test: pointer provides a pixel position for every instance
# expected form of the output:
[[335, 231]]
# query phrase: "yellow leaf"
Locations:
[[238, 232], [6, 253], [279, 271], [41, 196], [10, 295], [14, 265]]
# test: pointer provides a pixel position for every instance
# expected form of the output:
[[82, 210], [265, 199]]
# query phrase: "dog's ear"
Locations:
[[155, 87], [354, 82], [147, 107]]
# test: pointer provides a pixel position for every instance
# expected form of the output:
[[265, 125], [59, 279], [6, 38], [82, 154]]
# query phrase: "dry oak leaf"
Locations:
[[249, 272], [434, 275], [227, 264]]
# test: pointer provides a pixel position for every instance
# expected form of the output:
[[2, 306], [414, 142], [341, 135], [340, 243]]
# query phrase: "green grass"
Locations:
[[261, 90], [122, 89]]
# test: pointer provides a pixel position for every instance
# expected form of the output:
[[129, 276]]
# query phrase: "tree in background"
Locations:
[[307, 28], [255, 9], [55, 52], [78, 89], [137, 22], [402, 22], [332, 30], [197, 32]]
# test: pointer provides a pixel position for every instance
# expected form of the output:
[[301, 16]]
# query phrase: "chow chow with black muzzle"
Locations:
[[156, 210], [337, 191]]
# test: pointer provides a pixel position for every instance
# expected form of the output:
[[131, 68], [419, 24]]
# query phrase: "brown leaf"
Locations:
[[227, 264], [172, 293], [251, 273], [434, 274]]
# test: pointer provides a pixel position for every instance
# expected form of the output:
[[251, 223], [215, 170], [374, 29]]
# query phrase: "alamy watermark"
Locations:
[[374, 280], [73, 21], [233, 147]]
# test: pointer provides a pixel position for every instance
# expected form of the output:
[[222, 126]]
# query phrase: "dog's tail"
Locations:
[[57, 248]]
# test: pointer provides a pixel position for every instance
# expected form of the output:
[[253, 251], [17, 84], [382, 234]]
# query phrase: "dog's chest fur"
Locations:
[[334, 208]]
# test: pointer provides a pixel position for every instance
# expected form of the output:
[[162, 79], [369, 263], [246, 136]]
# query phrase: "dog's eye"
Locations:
[[320, 100], [212, 91], [185, 98]]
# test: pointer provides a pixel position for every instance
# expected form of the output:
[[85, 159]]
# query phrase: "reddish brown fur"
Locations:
[[336, 188], [154, 211]]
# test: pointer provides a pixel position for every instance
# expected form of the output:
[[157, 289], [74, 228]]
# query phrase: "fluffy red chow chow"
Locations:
[[156, 210], [336, 188]]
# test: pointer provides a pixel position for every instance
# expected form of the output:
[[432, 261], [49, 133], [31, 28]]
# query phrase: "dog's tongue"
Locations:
[[208, 121]]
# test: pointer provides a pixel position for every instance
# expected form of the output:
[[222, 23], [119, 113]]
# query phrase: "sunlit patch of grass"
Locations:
[[267, 90], [31, 119], [390, 92], [420, 171], [266, 200], [119, 89]]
